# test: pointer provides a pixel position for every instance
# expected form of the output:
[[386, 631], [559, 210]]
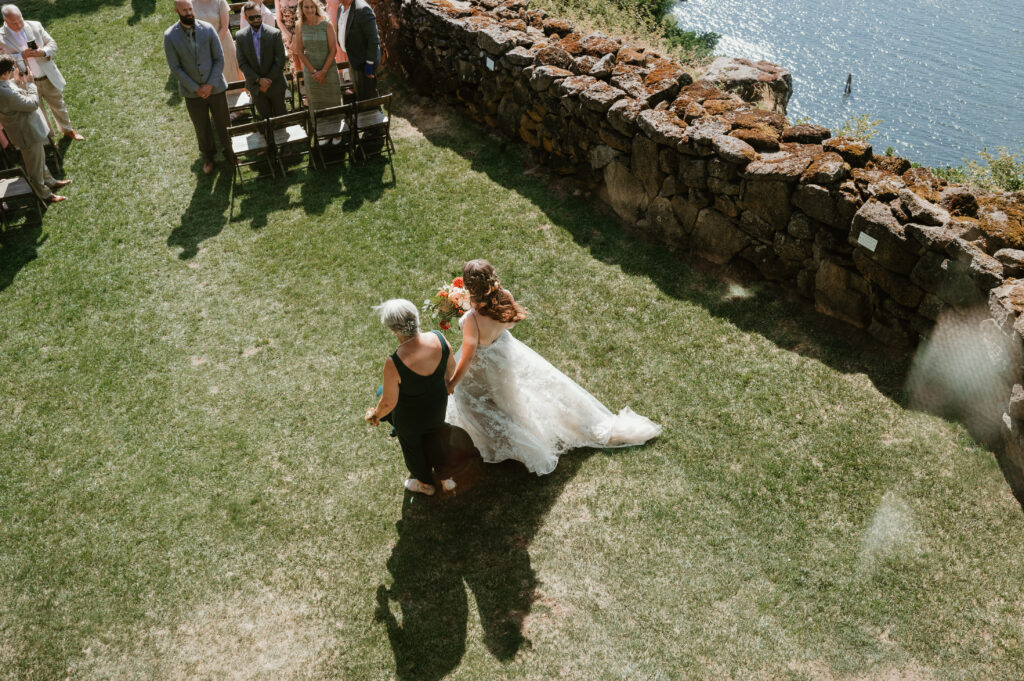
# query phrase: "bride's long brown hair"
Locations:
[[484, 288]]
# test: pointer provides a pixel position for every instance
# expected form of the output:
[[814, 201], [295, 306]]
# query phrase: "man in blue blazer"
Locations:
[[196, 59]]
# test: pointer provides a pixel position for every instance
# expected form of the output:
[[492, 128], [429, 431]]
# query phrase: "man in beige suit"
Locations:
[[25, 126], [33, 49]]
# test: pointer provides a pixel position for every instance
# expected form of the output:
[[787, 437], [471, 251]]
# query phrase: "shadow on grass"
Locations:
[[750, 303], [171, 88], [18, 247], [204, 217], [46, 10], [479, 540]]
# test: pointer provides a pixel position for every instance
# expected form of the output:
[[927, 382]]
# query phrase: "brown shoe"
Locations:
[[71, 134], [59, 184], [207, 167], [56, 198]]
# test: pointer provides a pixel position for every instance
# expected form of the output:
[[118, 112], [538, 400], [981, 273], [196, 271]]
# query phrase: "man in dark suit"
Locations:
[[358, 37], [196, 59], [260, 51]]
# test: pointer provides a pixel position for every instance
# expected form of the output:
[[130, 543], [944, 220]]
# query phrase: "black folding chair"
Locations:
[[235, 17], [250, 147], [289, 135], [373, 125], [329, 125], [17, 196], [348, 86]]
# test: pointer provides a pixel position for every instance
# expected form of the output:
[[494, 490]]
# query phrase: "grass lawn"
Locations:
[[188, 491]]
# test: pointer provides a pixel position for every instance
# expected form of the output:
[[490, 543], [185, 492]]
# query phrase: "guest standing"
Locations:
[[24, 126], [261, 58], [315, 46], [196, 59], [215, 13], [33, 49], [414, 393], [358, 37], [287, 14]]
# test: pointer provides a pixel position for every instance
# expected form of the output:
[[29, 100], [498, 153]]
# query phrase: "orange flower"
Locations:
[[445, 325], [442, 293], [457, 281]]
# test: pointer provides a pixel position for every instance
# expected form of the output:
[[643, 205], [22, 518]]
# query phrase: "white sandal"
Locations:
[[414, 485]]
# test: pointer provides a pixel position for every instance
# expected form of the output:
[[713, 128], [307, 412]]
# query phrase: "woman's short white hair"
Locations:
[[399, 315]]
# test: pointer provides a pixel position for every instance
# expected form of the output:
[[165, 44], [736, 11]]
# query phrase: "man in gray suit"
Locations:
[[26, 127], [196, 59], [260, 53], [358, 37], [34, 49]]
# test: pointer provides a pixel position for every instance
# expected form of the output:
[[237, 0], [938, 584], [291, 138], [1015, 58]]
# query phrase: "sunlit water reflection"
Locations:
[[947, 79]]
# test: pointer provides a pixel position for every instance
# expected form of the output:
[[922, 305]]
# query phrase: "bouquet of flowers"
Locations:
[[450, 302]]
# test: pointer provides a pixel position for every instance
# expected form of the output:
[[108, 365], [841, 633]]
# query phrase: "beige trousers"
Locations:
[[36, 171], [54, 100]]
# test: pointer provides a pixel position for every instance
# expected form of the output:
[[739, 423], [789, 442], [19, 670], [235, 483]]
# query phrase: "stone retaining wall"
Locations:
[[868, 239]]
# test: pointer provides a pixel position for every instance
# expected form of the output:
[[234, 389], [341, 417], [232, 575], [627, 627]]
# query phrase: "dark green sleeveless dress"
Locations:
[[422, 403]]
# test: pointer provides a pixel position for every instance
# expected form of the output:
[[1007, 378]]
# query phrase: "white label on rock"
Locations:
[[490, 64], [867, 241]]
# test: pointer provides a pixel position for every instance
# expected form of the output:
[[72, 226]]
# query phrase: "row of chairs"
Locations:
[[16, 194], [345, 130]]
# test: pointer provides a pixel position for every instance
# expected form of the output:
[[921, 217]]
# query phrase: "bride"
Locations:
[[513, 402]]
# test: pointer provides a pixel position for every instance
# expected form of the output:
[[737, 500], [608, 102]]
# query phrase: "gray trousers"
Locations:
[[54, 100], [201, 111], [34, 157]]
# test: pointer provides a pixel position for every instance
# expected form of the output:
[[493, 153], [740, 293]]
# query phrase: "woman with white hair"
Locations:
[[414, 392]]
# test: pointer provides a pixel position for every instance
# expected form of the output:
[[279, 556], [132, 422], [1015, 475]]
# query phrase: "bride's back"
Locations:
[[488, 329]]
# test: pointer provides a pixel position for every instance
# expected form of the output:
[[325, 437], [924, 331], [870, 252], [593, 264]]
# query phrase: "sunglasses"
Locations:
[[253, 17]]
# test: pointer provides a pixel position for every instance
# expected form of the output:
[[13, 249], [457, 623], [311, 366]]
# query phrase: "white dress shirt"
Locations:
[[33, 63]]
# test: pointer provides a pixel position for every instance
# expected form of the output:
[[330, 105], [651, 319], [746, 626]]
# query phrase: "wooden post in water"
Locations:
[[849, 84]]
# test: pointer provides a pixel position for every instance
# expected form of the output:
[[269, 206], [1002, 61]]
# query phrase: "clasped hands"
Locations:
[[29, 53], [265, 84], [371, 417], [204, 90]]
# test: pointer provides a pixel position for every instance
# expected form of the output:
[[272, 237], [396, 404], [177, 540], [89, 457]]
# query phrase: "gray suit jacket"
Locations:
[[19, 114], [196, 67], [362, 42], [271, 62]]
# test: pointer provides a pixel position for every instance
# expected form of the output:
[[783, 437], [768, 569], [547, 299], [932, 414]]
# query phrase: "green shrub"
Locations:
[[1002, 171]]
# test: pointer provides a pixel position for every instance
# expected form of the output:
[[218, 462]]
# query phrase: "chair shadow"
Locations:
[[365, 181], [320, 188], [731, 293], [259, 198], [18, 247], [204, 218], [480, 541]]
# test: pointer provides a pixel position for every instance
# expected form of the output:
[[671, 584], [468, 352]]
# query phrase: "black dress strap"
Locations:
[[444, 352]]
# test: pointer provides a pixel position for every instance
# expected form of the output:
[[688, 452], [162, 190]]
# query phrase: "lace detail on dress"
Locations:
[[516, 405]]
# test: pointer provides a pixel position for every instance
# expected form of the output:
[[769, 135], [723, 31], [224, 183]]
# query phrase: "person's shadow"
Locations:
[[204, 218], [478, 540]]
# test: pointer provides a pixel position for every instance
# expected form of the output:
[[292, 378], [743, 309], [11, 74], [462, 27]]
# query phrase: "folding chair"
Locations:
[[235, 17], [17, 194], [250, 147], [289, 134], [292, 96], [331, 123], [348, 86], [239, 100], [372, 121]]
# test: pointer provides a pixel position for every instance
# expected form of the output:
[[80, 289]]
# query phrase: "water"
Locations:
[[947, 79]]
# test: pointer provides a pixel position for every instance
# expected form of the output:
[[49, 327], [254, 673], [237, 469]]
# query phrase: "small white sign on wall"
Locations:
[[490, 64], [867, 241]]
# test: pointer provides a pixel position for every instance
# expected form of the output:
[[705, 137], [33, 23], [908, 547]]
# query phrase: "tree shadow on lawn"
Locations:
[[479, 540], [47, 10], [733, 294], [204, 217], [18, 247]]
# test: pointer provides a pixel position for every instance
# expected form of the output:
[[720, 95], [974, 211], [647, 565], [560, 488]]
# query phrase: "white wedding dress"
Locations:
[[516, 405]]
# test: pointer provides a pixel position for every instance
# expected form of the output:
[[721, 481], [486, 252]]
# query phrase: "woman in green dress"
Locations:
[[315, 46]]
